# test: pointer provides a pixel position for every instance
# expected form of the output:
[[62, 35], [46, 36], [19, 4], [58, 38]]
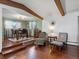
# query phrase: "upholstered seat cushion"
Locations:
[[42, 39], [58, 43]]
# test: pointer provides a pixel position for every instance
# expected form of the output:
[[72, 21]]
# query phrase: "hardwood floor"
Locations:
[[31, 52]]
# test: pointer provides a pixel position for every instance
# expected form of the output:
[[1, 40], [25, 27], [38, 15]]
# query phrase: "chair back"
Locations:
[[63, 37], [42, 35], [24, 31]]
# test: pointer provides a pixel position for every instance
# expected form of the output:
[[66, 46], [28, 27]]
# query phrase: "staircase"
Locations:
[[16, 47]]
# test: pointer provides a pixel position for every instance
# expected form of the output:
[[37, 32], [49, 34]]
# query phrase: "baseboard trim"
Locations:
[[73, 43]]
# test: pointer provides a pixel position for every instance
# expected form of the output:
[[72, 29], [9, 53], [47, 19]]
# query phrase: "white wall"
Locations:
[[67, 23], [0, 29]]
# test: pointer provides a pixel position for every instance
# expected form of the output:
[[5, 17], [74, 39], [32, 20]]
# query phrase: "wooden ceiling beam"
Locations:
[[59, 6], [21, 6]]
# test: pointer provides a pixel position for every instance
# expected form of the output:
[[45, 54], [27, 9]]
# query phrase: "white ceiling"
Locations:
[[47, 8], [16, 13], [70, 5], [42, 7], [10, 14]]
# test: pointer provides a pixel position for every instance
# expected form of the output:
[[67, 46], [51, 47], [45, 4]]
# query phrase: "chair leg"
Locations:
[[51, 49]]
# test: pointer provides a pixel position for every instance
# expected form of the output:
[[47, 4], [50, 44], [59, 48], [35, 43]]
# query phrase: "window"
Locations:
[[12, 24], [32, 25]]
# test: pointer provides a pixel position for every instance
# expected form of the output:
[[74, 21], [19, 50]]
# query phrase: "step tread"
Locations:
[[13, 49], [10, 47], [18, 43]]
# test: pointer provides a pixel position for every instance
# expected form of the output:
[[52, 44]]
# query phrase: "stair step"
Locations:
[[16, 47], [12, 46], [13, 49]]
